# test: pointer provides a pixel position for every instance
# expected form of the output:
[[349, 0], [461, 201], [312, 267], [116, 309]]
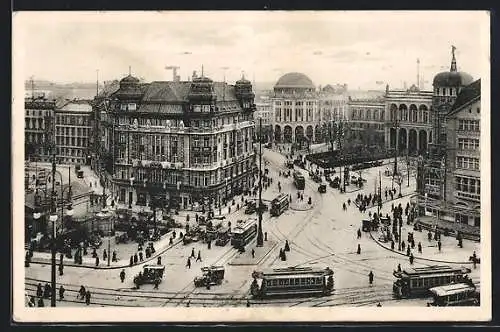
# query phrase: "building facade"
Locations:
[[300, 111], [408, 120], [434, 168], [463, 156], [182, 142], [39, 128], [74, 124], [366, 119]]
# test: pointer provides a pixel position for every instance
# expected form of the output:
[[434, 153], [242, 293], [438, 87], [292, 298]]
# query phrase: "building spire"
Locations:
[[453, 60], [130, 70], [202, 71]]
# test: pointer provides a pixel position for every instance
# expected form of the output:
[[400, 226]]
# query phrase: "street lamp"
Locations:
[[131, 190], [53, 219]]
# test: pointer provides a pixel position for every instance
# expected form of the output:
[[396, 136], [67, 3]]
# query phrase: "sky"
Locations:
[[356, 48]]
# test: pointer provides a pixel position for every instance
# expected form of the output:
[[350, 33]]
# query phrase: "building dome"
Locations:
[[452, 79], [295, 80], [129, 79]]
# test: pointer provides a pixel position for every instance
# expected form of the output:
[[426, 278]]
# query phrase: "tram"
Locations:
[[292, 281], [416, 281], [244, 232], [222, 236], [279, 205], [453, 295], [298, 180]]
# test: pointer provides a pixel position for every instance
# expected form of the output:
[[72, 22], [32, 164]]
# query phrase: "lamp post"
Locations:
[[260, 235], [131, 192]]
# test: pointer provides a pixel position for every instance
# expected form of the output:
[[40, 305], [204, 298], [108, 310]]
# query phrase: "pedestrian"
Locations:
[[419, 247], [192, 253], [87, 297], [287, 246], [359, 249], [379, 305], [61, 293], [157, 282], [122, 275], [39, 290], [158, 260], [96, 260], [199, 256], [131, 260], [81, 292], [408, 251], [47, 291], [359, 233], [61, 269], [411, 259], [188, 264], [281, 254], [248, 304], [399, 267], [439, 245], [392, 244], [104, 255], [40, 302], [370, 277], [135, 259], [403, 245], [141, 258], [253, 253], [113, 258]]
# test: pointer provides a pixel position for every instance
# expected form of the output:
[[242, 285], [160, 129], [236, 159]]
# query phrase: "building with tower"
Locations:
[[434, 170], [179, 142]]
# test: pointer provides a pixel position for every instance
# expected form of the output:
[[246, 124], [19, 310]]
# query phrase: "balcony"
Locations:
[[467, 196]]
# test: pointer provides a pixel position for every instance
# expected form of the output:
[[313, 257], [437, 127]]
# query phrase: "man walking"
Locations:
[[122, 275]]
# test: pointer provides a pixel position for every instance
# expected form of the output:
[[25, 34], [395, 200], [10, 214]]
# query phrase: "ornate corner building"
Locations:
[[180, 142], [448, 180]]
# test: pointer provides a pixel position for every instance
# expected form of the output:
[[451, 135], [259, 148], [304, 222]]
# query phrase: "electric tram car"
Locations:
[[298, 180], [453, 295], [417, 281], [292, 281], [279, 205], [244, 232]]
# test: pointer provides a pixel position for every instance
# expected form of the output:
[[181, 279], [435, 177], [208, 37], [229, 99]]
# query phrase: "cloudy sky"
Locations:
[[357, 48]]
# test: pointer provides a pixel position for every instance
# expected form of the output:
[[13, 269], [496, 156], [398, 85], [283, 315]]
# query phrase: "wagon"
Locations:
[[150, 274]]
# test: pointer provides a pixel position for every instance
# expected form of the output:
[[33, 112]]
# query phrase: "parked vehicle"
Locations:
[[150, 274], [322, 188], [211, 275]]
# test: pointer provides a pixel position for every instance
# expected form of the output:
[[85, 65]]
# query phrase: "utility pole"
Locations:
[[54, 234], [260, 235]]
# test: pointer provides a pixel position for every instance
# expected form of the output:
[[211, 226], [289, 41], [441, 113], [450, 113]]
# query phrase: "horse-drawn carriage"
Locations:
[[211, 275], [369, 225], [150, 275]]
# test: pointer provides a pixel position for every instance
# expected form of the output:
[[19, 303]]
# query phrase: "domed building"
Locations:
[[298, 110]]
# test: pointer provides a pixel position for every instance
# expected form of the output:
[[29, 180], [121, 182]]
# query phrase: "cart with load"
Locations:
[[149, 275], [211, 275]]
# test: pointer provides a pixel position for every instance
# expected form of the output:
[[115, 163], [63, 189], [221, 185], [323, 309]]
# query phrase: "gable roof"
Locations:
[[466, 95]]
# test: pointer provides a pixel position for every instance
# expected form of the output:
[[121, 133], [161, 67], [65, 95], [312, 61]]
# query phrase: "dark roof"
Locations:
[[466, 95], [129, 79], [452, 79], [294, 80], [224, 91], [161, 91]]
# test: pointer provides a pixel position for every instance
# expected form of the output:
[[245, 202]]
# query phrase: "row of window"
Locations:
[[467, 163], [299, 115], [35, 137], [72, 141], [445, 91], [469, 125], [469, 185], [206, 123], [468, 143], [362, 114], [34, 123], [365, 125], [431, 281], [420, 116], [294, 282], [73, 120], [40, 113], [70, 152], [296, 103], [464, 219], [73, 131]]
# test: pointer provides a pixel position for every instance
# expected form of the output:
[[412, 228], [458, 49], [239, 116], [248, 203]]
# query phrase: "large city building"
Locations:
[[408, 120], [463, 155], [436, 180], [300, 111], [39, 128], [180, 142], [73, 131], [366, 118]]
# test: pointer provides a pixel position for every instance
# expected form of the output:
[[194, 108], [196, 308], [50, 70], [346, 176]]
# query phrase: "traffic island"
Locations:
[[260, 253], [301, 205]]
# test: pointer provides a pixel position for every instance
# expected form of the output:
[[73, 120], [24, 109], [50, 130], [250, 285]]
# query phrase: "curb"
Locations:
[[307, 209], [110, 267], [417, 257]]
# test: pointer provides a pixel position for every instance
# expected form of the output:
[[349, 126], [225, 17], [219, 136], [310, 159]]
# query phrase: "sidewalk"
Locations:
[[469, 232], [88, 262]]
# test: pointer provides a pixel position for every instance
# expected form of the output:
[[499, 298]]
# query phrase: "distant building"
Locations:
[[408, 120], [264, 111], [73, 132], [367, 120], [178, 142], [39, 128], [300, 111]]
